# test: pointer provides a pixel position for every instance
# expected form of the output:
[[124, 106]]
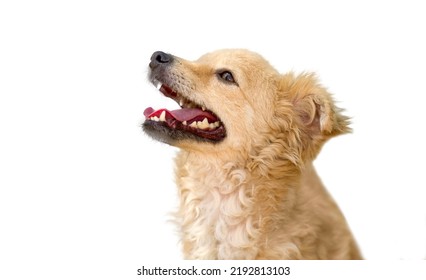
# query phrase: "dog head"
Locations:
[[235, 100]]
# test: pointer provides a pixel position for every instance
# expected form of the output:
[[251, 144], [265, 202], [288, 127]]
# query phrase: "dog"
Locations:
[[247, 137]]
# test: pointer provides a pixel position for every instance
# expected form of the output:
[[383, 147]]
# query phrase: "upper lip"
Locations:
[[183, 101]]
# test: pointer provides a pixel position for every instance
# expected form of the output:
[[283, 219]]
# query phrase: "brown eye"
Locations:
[[227, 76]]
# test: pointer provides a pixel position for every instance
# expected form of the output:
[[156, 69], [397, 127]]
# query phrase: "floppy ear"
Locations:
[[320, 116], [316, 109]]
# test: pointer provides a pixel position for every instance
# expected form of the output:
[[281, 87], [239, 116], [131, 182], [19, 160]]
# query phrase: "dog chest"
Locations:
[[214, 212]]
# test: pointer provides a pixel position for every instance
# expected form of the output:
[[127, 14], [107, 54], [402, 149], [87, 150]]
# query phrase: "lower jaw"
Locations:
[[162, 132]]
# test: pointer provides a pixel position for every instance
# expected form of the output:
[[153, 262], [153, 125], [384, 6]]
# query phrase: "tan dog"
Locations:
[[248, 136]]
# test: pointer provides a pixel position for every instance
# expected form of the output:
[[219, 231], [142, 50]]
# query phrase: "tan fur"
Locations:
[[256, 195]]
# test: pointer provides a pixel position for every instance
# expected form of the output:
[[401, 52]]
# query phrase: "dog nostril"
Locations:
[[161, 57]]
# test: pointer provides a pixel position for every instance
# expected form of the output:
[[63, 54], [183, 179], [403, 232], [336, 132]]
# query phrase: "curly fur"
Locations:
[[256, 194]]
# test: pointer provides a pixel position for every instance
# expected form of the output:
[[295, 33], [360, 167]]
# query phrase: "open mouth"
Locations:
[[191, 121]]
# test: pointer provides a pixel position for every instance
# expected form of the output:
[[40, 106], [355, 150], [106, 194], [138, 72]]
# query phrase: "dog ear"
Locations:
[[316, 109], [320, 116]]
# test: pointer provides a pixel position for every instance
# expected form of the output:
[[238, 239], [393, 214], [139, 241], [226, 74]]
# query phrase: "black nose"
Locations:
[[160, 58]]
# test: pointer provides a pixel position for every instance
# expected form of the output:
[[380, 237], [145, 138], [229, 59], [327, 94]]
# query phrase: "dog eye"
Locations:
[[227, 76]]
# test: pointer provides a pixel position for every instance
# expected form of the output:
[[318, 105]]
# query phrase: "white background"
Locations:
[[84, 192]]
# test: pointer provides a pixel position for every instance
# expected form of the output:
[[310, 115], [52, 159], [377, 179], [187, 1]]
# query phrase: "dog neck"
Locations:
[[227, 205]]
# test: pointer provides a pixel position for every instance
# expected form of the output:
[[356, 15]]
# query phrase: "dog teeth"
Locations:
[[203, 108], [158, 85], [204, 125], [181, 103], [163, 116], [214, 125]]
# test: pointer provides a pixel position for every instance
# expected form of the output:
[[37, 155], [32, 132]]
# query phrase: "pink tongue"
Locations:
[[181, 115], [148, 111]]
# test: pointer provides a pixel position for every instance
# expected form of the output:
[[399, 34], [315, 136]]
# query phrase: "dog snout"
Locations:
[[160, 58]]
